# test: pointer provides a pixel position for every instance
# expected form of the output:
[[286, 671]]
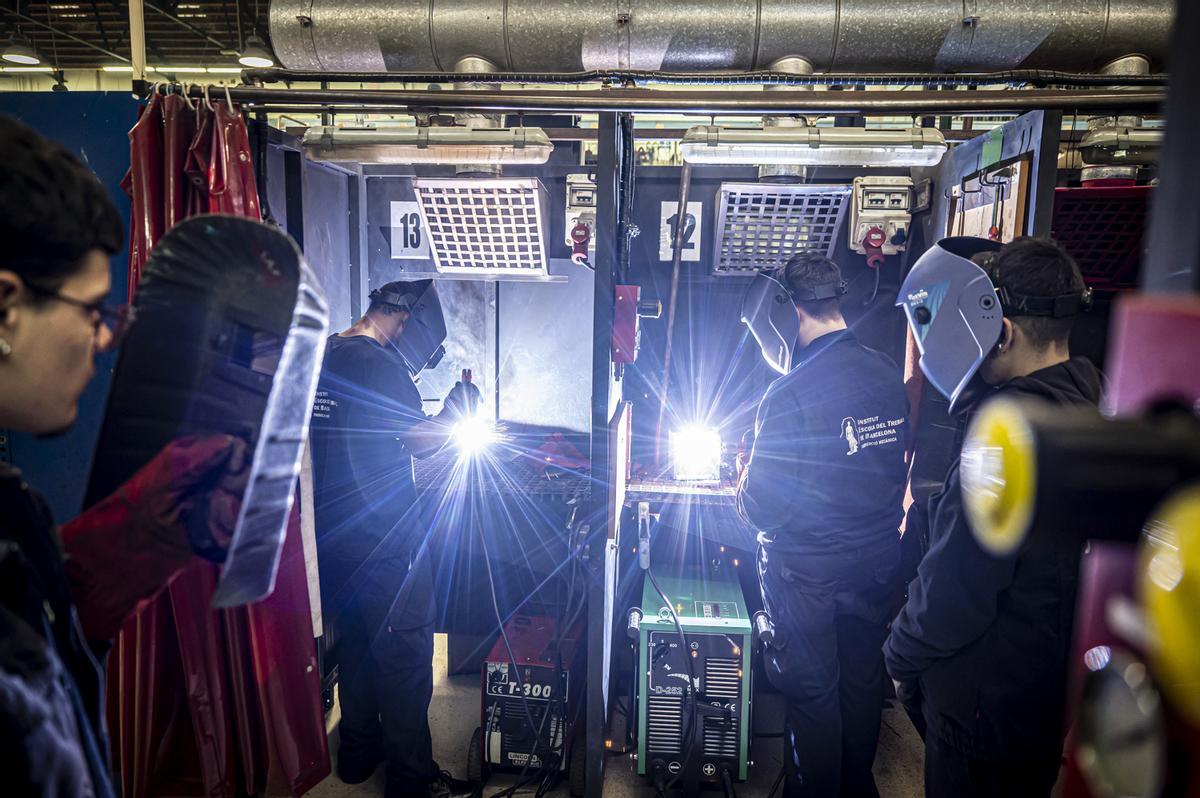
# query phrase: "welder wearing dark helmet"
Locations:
[[824, 486], [376, 579], [64, 592], [979, 651]]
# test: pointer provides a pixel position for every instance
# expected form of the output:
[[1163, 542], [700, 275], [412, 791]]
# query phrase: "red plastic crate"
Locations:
[[1104, 229]]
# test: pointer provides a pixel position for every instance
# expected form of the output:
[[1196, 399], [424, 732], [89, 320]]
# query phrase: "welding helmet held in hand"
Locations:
[[769, 310], [420, 342], [956, 307]]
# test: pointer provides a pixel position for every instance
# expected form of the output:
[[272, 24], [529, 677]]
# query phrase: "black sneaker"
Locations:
[[446, 786], [355, 767]]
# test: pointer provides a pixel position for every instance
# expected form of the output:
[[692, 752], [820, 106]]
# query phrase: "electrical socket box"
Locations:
[[580, 208], [884, 203]]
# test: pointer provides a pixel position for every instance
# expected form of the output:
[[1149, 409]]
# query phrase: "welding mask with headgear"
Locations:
[[420, 342], [769, 310], [955, 308]]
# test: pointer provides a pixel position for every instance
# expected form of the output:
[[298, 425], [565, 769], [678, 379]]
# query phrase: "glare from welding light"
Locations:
[[696, 454], [473, 435]]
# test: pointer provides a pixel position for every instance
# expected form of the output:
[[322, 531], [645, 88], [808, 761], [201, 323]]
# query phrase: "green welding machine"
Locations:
[[693, 680]]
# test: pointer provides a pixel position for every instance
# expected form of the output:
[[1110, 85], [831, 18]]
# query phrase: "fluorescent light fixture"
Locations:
[[185, 70], [812, 146], [117, 68], [225, 70], [28, 69], [695, 454], [429, 145], [473, 435], [19, 50], [256, 55]]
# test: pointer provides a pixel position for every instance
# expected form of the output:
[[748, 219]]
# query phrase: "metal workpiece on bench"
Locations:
[[574, 35], [866, 103]]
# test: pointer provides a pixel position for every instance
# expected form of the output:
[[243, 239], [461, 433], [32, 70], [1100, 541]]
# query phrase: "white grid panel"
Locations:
[[760, 226], [484, 227]]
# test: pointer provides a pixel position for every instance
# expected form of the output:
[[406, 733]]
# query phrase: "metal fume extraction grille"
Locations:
[[1104, 230], [484, 228], [760, 226]]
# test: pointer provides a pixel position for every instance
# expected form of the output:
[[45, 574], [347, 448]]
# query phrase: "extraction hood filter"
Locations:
[[760, 226], [428, 145], [485, 228], [812, 146]]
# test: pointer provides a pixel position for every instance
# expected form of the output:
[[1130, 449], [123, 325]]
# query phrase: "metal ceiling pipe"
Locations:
[[864, 103], [474, 65], [785, 173], [1114, 166], [692, 35]]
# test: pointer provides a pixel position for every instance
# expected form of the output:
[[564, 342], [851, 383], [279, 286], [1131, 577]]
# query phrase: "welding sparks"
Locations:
[[474, 435]]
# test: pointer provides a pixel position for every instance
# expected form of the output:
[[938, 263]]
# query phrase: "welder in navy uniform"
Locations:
[[376, 580], [824, 487], [980, 649]]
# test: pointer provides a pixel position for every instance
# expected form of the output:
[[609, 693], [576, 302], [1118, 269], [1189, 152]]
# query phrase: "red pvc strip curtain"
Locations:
[[206, 702]]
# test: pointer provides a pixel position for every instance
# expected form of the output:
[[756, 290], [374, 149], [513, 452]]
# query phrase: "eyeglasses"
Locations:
[[117, 318]]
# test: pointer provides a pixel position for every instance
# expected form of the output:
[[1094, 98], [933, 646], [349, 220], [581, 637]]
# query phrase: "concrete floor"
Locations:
[[454, 714]]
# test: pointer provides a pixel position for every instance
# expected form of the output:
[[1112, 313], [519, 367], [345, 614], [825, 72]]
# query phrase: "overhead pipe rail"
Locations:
[[862, 103]]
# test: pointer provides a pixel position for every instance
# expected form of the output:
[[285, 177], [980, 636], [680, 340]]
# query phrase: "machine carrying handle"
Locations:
[[633, 626], [643, 512], [764, 628]]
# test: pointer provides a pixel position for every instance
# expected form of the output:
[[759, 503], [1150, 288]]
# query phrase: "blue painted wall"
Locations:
[[94, 126]]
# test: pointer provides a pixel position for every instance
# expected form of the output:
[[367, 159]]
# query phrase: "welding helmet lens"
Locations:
[[424, 332], [768, 311]]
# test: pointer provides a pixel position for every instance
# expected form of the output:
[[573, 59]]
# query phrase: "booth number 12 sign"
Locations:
[[693, 226]]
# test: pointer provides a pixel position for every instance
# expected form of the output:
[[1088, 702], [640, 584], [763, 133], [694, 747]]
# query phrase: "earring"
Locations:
[[5, 348]]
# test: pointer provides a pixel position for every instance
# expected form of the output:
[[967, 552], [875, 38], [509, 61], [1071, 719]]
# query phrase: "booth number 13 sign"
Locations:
[[409, 241]]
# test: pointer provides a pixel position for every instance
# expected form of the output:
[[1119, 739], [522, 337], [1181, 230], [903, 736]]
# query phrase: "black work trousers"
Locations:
[[830, 614], [385, 667], [949, 773]]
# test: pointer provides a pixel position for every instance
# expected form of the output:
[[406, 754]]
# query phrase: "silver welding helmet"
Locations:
[[424, 332], [953, 311], [769, 310]]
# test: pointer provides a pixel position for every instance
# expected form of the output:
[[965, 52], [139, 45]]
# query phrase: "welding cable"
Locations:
[[690, 694], [550, 766], [512, 658]]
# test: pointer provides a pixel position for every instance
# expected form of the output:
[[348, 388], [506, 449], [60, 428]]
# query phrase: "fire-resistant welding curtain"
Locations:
[[200, 701]]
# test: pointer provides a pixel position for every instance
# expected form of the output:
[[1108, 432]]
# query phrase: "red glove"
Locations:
[[127, 547]]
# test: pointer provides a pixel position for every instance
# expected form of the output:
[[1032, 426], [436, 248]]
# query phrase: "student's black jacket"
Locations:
[[987, 638]]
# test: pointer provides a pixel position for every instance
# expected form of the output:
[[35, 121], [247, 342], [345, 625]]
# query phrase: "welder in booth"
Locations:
[[824, 487], [65, 592], [980, 649], [376, 577]]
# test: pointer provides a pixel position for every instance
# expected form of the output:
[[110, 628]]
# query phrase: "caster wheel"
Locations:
[[577, 769], [478, 770]]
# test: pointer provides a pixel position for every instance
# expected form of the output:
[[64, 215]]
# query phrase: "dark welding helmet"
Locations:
[[424, 332], [769, 311], [955, 308]]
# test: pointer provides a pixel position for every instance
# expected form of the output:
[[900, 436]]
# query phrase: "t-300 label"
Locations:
[[535, 683]]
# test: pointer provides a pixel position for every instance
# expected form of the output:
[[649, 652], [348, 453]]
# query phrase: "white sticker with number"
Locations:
[[409, 241], [693, 227]]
